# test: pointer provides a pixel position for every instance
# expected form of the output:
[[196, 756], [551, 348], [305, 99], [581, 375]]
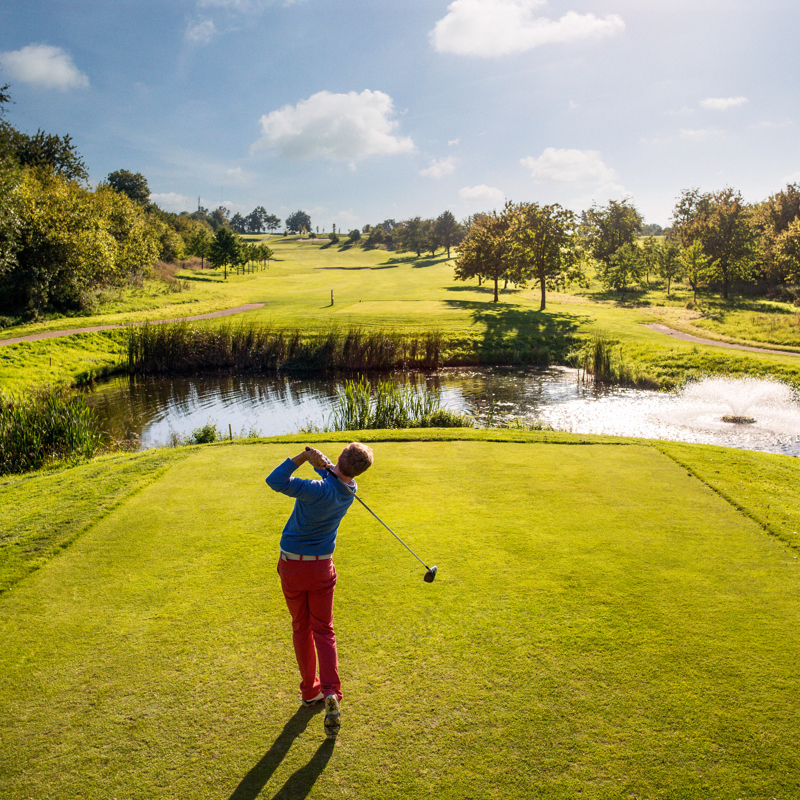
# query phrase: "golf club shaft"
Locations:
[[380, 520], [330, 469]]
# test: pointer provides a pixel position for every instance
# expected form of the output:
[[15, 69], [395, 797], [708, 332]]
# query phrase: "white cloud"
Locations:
[[340, 127], [200, 32], [440, 168], [453, 142], [174, 202], [569, 166], [483, 192], [45, 66], [700, 135], [722, 103], [492, 28]]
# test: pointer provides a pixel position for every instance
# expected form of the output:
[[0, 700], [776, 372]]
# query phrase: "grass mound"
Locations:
[[603, 624]]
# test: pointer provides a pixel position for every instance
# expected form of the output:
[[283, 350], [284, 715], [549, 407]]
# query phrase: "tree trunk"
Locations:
[[542, 284], [496, 280]]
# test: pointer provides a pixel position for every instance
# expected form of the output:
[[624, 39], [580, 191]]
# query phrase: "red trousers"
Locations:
[[308, 587]]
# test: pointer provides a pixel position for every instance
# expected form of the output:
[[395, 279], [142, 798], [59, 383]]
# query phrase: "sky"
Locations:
[[358, 111]]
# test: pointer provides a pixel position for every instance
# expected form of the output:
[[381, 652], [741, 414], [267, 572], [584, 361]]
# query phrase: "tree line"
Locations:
[[716, 242]]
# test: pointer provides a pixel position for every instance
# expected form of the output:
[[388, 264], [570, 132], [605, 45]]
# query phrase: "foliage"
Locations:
[[71, 240], [624, 268], [354, 236], [44, 426], [668, 262], [721, 222], [49, 151], [609, 228], [447, 232], [199, 244], [226, 249], [205, 434], [334, 239], [132, 184], [487, 249], [543, 245], [410, 235], [776, 223], [298, 222], [695, 265]]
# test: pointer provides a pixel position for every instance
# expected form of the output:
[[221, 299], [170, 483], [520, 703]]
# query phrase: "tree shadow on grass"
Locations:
[[511, 327], [417, 262], [299, 783]]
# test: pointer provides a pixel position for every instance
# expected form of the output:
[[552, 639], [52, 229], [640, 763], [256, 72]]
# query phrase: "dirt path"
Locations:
[[35, 337], [688, 337]]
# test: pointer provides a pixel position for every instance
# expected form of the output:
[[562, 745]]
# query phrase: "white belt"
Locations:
[[295, 557]]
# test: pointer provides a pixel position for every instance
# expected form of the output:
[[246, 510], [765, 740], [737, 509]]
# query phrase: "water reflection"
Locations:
[[150, 409]]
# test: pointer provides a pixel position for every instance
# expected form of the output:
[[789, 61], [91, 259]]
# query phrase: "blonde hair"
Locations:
[[355, 459]]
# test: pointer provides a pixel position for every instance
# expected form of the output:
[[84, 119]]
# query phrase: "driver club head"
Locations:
[[430, 575]]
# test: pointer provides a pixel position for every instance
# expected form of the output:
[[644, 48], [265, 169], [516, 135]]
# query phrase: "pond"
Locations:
[[152, 409]]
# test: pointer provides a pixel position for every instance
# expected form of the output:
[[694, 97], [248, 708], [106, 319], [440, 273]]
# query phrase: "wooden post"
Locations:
[[230, 432], [331, 296]]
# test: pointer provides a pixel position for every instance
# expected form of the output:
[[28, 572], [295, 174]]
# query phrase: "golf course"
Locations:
[[611, 618]]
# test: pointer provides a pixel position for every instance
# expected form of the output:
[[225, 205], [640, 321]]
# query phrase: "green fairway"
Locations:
[[606, 622], [400, 292]]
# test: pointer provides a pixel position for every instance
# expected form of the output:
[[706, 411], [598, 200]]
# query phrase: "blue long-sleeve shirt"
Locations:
[[318, 509]]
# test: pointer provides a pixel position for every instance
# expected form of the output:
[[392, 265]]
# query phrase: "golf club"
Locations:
[[431, 573]]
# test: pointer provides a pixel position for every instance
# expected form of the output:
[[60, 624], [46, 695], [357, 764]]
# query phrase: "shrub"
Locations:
[[44, 426]]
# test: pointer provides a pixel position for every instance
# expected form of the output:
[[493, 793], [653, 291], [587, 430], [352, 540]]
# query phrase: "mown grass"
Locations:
[[602, 625], [42, 513]]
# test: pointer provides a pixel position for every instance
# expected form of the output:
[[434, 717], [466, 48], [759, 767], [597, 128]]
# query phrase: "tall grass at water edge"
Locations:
[[46, 425], [181, 347], [360, 406], [600, 359]]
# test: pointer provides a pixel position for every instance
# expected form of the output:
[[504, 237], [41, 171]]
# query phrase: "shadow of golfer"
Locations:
[[299, 783]]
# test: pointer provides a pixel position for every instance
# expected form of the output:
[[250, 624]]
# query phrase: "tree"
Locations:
[[375, 236], [256, 220], [200, 244], [623, 268], [354, 237], [695, 265], [132, 184], [219, 218], [71, 241], [264, 253], [430, 240], [542, 245], [297, 222], [271, 222], [670, 267], [333, 238], [650, 250], [46, 150], [773, 221], [607, 229], [720, 221], [486, 251], [411, 235], [447, 231], [238, 223], [226, 250]]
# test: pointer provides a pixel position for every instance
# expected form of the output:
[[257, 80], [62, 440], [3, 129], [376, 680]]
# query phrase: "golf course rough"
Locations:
[[604, 624]]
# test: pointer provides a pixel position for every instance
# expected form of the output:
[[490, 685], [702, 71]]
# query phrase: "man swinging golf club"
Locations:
[[305, 566]]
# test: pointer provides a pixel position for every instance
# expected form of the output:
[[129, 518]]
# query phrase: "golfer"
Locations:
[[308, 577]]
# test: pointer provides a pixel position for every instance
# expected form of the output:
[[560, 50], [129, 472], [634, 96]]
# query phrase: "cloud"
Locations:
[[569, 166], [483, 193], [700, 135], [492, 28], [453, 142], [339, 127], [200, 32], [174, 202], [45, 66], [440, 168], [722, 103]]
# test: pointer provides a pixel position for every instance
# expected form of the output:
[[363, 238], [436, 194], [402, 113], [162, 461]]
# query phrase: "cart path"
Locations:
[[225, 312], [688, 337]]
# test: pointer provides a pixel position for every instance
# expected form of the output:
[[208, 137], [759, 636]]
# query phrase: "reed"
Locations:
[[46, 425], [176, 348], [362, 406]]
